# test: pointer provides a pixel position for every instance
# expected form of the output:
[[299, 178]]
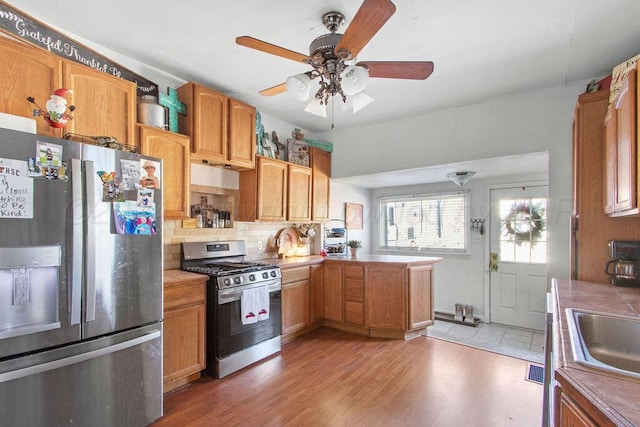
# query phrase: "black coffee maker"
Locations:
[[624, 268]]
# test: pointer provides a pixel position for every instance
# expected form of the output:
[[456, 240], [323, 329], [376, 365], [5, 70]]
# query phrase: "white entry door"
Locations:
[[518, 256]]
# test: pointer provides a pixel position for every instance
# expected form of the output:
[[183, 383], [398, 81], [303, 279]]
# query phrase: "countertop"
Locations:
[[614, 395], [390, 259], [368, 258], [175, 277]]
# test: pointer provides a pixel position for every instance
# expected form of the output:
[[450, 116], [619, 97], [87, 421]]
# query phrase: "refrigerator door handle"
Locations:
[[90, 178], [77, 239]]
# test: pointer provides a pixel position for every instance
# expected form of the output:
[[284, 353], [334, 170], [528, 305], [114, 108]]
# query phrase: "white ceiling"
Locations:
[[481, 49], [526, 164]]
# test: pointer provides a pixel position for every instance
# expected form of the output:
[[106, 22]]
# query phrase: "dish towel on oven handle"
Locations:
[[254, 305]]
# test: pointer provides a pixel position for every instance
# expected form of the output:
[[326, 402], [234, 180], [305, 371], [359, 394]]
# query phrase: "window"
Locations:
[[523, 235], [424, 222]]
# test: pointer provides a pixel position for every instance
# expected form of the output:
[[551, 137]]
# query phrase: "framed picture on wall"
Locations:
[[353, 215]]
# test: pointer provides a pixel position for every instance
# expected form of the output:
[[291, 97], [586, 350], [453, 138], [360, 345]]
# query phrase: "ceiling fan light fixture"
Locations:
[[354, 79], [299, 86], [360, 100], [316, 107], [460, 178]]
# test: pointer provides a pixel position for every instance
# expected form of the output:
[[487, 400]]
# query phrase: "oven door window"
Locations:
[[233, 336]]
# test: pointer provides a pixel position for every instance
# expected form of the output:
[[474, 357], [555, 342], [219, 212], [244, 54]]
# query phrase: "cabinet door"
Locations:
[[271, 188], [173, 149], [295, 306], [210, 124], [321, 170], [333, 292], [571, 415], [386, 297], [626, 147], [105, 105], [299, 193], [242, 134], [183, 342], [421, 310], [27, 71], [317, 293], [610, 161]]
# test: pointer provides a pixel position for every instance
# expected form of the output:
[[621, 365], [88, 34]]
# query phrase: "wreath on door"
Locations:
[[525, 222]]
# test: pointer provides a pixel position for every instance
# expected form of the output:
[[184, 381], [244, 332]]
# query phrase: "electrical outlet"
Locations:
[[477, 238], [260, 247]]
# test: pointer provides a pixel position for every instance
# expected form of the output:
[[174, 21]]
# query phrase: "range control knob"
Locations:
[[265, 275], [252, 277], [237, 280], [227, 282], [273, 273]]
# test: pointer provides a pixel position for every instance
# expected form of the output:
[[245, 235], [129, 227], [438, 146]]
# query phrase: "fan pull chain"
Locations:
[[333, 106]]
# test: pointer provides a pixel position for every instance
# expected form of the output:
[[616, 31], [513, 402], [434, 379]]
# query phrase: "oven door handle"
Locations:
[[230, 295]]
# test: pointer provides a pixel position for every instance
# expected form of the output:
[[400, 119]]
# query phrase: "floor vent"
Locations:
[[535, 373]]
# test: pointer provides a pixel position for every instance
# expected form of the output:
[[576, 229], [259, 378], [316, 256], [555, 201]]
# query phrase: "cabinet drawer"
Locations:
[[354, 271], [290, 275], [183, 294]]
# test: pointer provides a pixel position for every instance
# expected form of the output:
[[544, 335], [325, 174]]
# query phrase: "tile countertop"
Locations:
[[614, 395], [316, 259]]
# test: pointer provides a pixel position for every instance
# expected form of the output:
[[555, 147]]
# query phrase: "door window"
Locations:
[[523, 231]]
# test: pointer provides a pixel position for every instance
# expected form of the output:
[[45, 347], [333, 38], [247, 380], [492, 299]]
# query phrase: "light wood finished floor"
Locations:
[[332, 378]]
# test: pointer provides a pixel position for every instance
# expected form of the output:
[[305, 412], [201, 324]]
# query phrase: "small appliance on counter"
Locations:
[[624, 268]]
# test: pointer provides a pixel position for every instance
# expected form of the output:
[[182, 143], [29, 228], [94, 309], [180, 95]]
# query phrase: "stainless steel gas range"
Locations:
[[243, 304]]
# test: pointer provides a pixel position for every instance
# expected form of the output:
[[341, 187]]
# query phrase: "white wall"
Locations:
[[345, 193]]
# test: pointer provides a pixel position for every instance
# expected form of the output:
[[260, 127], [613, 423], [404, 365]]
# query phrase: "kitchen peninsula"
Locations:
[[385, 296]]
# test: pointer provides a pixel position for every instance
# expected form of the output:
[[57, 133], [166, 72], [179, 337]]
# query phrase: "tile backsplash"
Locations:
[[259, 237]]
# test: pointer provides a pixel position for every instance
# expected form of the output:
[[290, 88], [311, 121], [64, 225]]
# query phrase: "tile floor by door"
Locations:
[[526, 344]]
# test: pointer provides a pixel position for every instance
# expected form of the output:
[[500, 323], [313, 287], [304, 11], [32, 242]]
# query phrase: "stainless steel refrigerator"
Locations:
[[80, 285]]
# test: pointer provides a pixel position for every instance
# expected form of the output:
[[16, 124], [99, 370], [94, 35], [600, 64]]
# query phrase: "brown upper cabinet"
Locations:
[[105, 105], [275, 191], [620, 151], [321, 182], [222, 129], [27, 71], [173, 149]]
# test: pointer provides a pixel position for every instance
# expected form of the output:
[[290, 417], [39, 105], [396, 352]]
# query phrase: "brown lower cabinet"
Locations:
[[575, 410], [390, 300], [301, 296], [184, 328]]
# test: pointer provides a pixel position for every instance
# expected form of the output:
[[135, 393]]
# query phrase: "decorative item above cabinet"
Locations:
[[222, 129]]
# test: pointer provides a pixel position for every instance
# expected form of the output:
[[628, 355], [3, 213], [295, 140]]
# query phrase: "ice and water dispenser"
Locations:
[[29, 289]]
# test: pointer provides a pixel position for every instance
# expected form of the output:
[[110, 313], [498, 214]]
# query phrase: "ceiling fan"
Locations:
[[331, 58]]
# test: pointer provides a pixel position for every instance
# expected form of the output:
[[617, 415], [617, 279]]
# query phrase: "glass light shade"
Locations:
[[316, 107], [460, 178], [360, 100], [299, 86], [354, 79]]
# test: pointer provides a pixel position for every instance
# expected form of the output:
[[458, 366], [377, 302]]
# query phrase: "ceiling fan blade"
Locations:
[[371, 16], [414, 70], [247, 41], [274, 90]]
